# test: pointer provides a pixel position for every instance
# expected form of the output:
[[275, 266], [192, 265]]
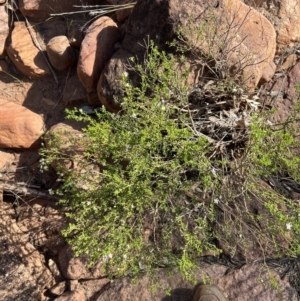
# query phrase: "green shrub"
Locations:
[[163, 183]]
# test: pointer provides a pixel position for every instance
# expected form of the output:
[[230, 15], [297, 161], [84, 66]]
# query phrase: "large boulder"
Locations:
[[256, 34], [24, 54], [284, 15], [19, 127], [96, 50], [4, 29]]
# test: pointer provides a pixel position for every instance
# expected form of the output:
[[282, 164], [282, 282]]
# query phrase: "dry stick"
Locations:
[[37, 44], [25, 190]]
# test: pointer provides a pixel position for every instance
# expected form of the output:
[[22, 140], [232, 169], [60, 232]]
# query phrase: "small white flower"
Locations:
[[125, 74], [216, 201], [50, 191], [88, 203], [213, 171], [289, 226], [133, 115]]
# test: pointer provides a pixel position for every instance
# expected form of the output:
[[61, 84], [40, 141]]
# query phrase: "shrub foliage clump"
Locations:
[[164, 188]]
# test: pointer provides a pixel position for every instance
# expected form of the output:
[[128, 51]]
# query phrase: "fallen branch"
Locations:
[[23, 189]]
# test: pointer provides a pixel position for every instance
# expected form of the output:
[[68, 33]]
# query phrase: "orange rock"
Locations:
[[239, 37], [289, 28], [24, 54], [255, 32], [60, 53], [4, 30], [19, 127], [96, 50]]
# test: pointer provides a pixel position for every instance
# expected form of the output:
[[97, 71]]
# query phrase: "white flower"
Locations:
[[216, 201], [125, 74], [289, 226], [141, 266]]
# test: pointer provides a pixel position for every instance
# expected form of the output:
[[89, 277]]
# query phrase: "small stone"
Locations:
[[60, 53], [58, 289], [54, 270]]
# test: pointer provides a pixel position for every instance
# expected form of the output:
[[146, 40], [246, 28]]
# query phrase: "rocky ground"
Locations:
[[35, 262]]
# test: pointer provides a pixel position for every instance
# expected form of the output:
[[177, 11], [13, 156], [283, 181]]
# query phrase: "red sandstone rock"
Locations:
[[24, 54], [96, 50], [259, 37], [19, 127], [60, 53], [289, 27], [4, 29]]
